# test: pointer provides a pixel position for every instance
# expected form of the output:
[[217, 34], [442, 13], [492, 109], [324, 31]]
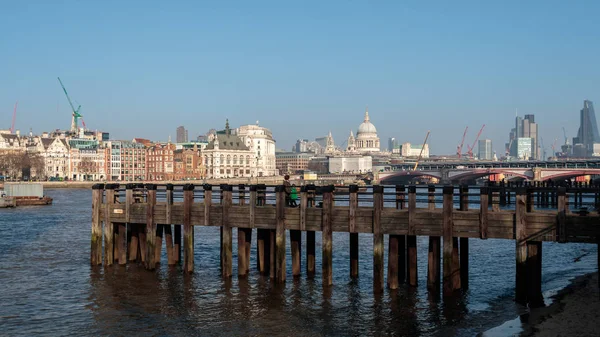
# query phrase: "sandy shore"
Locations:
[[574, 312]]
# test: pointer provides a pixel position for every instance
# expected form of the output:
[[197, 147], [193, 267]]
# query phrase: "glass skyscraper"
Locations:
[[588, 131]]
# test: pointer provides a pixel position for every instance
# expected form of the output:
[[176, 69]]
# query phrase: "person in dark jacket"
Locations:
[[287, 189]]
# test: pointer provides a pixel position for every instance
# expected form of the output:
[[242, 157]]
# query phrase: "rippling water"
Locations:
[[48, 287]]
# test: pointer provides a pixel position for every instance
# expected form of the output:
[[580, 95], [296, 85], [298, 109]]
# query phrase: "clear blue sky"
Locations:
[[302, 68]]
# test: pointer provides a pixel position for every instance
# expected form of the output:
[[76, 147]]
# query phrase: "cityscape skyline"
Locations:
[[418, 68]]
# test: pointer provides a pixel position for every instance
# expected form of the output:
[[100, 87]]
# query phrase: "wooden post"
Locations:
[[150, 227], [280, 270], [448, 205], [377, 239], [353, 205], [483, 213], [464, 242], [433, 256], [401, 204], [534, 274], [310, 236], [241, 236], [327, 263], [168, 235], [132, 234], [188, 228], [495, 201], [109, 226], [296, 237], [521, 247], [562, 214], [392, 275], [252, 206], [96, 245], [227, 237], [411, 239], [160, 229], [263, 238]]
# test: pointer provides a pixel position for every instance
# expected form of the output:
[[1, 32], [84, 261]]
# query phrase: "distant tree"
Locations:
[[86, 166]]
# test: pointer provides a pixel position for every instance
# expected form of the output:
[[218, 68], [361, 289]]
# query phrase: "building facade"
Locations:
[[260, 141], [182, 135], [524, 128], [227, 156], [160, 158], [291, 162], [587, 135], [485, 149], [409, 150], [188, 164], [354, 164]]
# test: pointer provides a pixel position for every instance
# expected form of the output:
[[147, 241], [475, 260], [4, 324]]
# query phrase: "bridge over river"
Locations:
[[457, 172]]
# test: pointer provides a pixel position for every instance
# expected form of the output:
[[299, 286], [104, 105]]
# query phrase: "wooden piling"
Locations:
[[377, 239], [562, 214], [464, 242], [280, 270], [401, 204], [310, 236], [411, 239], [448, 284], [521, 247], [296, 237], [109, 226], [168, 234], [327, 238], [353, 205], [188, 228], [433, 255], [495, 200], [263, 246], [132, 229], [534, 274], [96, 244], [150, 227], [227, 238], [241, 237]]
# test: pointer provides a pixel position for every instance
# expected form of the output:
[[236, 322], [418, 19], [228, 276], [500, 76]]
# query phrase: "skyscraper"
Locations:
[[588, 131], [392, 143], [485, 149], [182, 135], [524, 128]]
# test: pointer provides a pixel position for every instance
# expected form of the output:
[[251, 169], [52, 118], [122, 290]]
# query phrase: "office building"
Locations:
[[587, 135], [182, 135], [485, 149]]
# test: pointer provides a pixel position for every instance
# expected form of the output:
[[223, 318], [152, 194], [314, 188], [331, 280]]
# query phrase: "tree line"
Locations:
[[15, 165]]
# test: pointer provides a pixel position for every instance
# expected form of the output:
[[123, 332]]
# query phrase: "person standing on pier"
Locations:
[[293, 196], [288, 190]]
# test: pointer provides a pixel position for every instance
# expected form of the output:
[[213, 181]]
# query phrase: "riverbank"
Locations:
[[575, 311]]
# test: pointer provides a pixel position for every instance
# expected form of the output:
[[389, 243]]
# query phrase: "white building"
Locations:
[[56, 157], [352, 164], [260, 141], [366, 137], [408, 150], [227, 156]]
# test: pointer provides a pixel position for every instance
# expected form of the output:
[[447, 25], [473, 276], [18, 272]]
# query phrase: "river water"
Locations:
[[49, 288]]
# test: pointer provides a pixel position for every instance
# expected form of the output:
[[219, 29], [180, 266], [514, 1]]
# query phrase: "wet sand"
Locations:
[[574, 312]]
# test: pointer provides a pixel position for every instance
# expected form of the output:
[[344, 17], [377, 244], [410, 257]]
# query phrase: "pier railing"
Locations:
[[138, 218]]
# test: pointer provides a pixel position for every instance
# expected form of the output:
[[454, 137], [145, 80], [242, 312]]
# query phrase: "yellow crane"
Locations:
[[421, 153]]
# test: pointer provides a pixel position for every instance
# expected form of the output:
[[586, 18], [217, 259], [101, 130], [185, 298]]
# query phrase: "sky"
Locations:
[[302, 68]]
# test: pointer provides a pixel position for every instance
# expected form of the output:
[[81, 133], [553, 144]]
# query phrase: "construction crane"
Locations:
[[76, 115], [566, 139], [14, 118], [470, 152], [508, 148], [459, 147], [421, 153]]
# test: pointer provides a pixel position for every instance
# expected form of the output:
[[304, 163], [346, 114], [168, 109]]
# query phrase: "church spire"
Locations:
[[367, 114], [227, 131]]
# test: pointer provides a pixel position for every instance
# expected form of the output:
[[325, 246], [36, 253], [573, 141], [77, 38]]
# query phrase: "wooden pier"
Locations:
[[131, 224]]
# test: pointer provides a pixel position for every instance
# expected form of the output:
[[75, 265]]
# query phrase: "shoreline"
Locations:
[[575, 311]]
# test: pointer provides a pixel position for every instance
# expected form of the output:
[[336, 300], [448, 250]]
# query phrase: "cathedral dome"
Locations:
[[366, 127]]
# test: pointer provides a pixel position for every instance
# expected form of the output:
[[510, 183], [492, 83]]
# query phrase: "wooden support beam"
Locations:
[[401, 204], [280, 205], [160, 229], [310, 236], [483, 212], [227, 237], [353, 205], [464, 242], [496, 199], [96, 244], [327, 238], [150, 227], [263, 238], [562, 214], [109, 226], [535, 298], [188, 228], [411, 239], [377, 239], [433, 255], [241, 237], [392, 275], [448, 208], [521, 247], [171, 253]]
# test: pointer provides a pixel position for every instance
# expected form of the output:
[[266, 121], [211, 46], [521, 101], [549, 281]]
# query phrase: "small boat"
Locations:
[[27, 194], [6, 201]]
